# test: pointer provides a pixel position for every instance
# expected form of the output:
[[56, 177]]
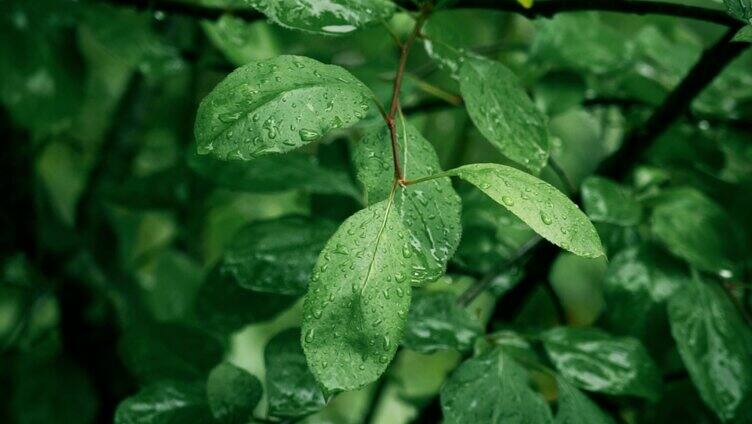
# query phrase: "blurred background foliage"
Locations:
[[120, 246]]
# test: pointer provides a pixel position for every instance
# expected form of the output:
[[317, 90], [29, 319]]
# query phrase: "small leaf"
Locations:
[[527, 4], [334, 17], [240, 41], [274, 173], [492, 388], [156, 351], [697, 230], [358, 299], [232, 393], [576, 407], [277, 105], [291, 387], [744, 34], [503, 112], [223, 306], [430, 212], [716, 346], [277, 256], [437, 322], [596, 361], [545, 209], [166, 402], [607, 201]]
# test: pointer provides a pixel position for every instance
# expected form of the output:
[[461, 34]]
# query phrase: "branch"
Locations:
[[549, 8], [711, 64], [394, 107], [176, 7]]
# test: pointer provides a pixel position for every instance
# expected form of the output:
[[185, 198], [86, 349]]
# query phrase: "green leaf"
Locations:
[[437, 322], [740, 9], [156, 351], [430, 212], [358, 299], [582, 42], [576, 407], [451, 35], [744, 34], [596, 361], [503, 112], [232, 393], [638, 282], [277, 256], [545, 209], [293, 171], [716, 346], [492, 388], [166, 402], [240, 41], [607, 201], [223, 306], [334, 17], [697, 230], [277, 105], [291, 387], [169, 285]]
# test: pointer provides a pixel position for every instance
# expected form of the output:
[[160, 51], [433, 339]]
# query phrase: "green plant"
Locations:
[[314, 219]]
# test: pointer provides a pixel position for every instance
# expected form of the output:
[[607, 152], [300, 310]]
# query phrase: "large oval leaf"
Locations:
[[541, 206], [492, 389], [358, 298], [716, 346], [503, 112], [277, 105], [331, 17], [430, 211]]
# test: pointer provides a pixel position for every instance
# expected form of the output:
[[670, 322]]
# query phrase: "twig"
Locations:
[[711, 64], [394, 107]]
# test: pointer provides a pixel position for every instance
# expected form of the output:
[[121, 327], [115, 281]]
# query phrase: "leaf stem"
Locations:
[[394, 107]]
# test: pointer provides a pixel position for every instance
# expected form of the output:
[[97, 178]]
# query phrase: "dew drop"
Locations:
[[308, 135], [545, 218]]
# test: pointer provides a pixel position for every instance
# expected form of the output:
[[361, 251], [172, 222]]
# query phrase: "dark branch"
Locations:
[[712, 62], [175, 7], [549, 8]]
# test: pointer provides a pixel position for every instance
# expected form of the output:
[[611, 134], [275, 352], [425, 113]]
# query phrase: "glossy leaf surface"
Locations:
[[277, 105], [358, 298], [503, 112], [607, 201], [437, 322], [166, 402], [545, 209], [593, 360], [232, 393]]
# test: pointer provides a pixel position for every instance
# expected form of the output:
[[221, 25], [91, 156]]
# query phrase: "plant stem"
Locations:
[[394, 107]]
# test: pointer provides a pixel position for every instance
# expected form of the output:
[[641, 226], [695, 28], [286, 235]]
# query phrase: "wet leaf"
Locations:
[[333, 17], [429, 211], [166, 402], [232, 393], [277, 105], [492, 388], [596, 361], [291, 387], [437, 322], [277, 256], [358, 299], [607, 201], [740, 9], [716, 346], [503, 112], [576, 407], [546, 210]]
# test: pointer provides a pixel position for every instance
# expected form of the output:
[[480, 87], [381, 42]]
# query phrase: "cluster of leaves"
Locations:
[[242, 220]]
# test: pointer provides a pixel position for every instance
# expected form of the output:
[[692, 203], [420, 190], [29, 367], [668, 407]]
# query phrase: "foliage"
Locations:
[[376, 211]]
